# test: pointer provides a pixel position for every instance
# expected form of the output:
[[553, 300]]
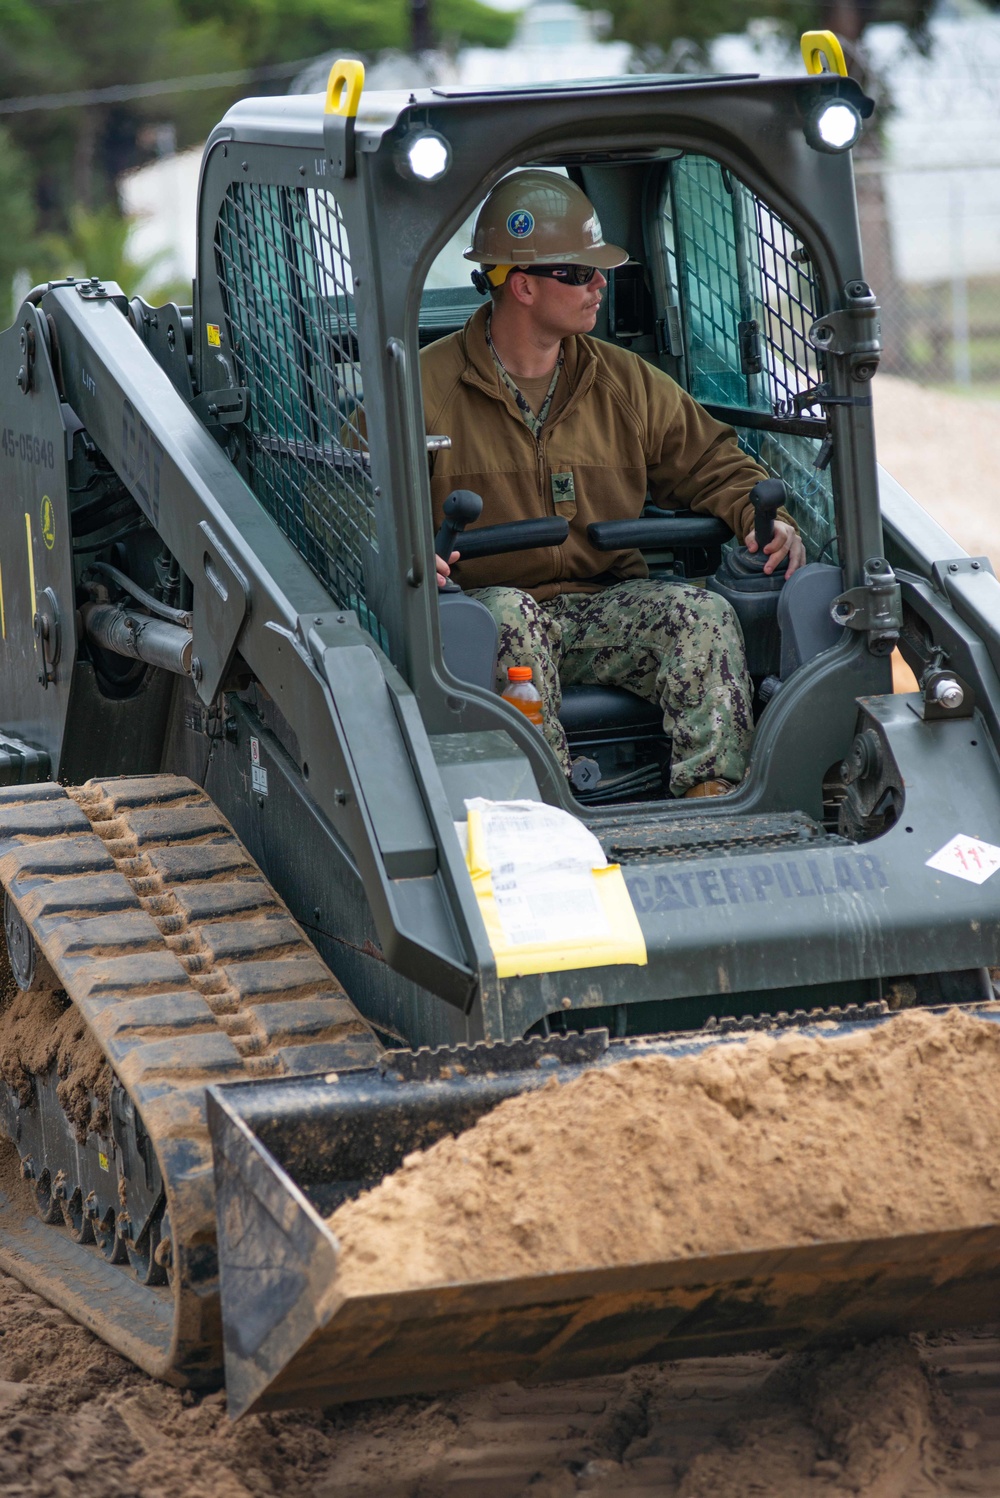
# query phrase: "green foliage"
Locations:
[[275, 30], [97, 244], [72, 157], [662, 23], [467, 21], [58, 167], [16, 13], [75, 154], [17, 214]]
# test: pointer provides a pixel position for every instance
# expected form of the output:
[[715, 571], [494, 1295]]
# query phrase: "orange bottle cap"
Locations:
[[518, 673]]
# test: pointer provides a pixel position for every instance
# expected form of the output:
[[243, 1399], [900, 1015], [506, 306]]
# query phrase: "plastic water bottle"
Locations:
[[523, 694]]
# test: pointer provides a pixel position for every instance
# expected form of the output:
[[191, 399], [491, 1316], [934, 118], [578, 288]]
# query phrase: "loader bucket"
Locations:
[[288, 1152]]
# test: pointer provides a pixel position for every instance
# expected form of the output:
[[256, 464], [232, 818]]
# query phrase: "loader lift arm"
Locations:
[[361, 737]]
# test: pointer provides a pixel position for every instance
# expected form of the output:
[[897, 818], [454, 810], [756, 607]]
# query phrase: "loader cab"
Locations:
[[720, 293], [323, 276]]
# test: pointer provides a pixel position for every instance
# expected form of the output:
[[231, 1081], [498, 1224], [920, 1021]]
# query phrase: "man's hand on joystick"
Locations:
[[776, 538], [444, 568], [461, 508], [786, 543]]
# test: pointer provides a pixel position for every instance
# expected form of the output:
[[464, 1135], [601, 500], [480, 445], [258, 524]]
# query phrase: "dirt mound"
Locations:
[[889, 1130], [865, 1421]]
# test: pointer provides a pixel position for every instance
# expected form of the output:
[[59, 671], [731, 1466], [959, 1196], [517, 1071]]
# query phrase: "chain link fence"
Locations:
[[932, 253]]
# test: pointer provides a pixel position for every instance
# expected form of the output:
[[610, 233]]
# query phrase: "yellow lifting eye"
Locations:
[[822, 53], [344, 85]]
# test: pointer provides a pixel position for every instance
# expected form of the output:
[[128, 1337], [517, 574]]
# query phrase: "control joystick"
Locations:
[[461, 508], [767, 497], [753, 593]]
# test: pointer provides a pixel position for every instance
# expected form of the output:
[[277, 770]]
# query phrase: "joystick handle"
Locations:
[[767, 497], [461, 508]]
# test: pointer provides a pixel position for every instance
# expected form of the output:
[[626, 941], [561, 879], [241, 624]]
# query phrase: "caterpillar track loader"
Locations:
[[253, 960]]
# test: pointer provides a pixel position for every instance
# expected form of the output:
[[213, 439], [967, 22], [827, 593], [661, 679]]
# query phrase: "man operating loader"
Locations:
[[545, 420]]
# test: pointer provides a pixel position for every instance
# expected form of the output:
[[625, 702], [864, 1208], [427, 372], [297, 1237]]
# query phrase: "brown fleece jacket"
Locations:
[[625, 429]]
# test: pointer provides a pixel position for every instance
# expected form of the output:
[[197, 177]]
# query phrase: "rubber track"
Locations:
[[189, 970]]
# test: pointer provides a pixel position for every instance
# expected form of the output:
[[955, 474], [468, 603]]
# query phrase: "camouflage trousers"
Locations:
[[670, 643]]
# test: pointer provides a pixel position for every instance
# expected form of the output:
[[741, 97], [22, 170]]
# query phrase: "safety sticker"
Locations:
[[102, 1160], [967, 858], [214, 334], [48, 518], [258, 775]]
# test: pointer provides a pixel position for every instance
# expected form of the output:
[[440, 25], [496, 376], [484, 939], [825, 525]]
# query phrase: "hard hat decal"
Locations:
[[592, 228], [520, 223]]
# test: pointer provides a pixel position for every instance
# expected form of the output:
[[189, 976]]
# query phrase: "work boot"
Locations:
[[709, 788]]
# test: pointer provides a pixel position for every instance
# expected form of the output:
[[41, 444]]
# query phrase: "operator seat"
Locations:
[[590, 709], [469, 639]]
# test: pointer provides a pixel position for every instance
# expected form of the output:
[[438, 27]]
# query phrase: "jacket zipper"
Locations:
[[548, 504]]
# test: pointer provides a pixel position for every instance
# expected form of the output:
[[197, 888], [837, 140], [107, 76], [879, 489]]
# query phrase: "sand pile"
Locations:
[[765, 1142]]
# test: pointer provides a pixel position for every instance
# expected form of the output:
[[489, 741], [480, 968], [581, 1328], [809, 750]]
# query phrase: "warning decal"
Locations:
[[967, 858], [258, 775]]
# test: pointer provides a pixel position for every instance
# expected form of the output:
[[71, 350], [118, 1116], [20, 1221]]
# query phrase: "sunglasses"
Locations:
[[573, 275]]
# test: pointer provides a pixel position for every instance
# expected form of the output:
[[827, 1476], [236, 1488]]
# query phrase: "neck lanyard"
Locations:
[[532, 422]]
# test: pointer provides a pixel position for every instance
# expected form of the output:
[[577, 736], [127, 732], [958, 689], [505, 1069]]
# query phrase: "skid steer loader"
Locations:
[[254, 769]]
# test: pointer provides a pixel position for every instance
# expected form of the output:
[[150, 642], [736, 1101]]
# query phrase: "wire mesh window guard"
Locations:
[[748, 298], [284, 270]]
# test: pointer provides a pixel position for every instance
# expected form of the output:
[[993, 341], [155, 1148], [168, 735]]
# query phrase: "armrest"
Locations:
[[651, 530], [516, 535]]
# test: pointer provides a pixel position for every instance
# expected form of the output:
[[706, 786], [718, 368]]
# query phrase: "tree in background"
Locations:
[[269, 31], [56, 162], [17, 213], [99, 237], [662, 23], [59, 166], [673, 35], [75, 154]]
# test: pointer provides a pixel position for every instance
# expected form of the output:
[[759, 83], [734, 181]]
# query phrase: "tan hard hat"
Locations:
[[535, 217]]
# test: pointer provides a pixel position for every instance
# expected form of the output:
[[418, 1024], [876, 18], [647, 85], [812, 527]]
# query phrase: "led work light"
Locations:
[[834, 126], [424, 155]]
